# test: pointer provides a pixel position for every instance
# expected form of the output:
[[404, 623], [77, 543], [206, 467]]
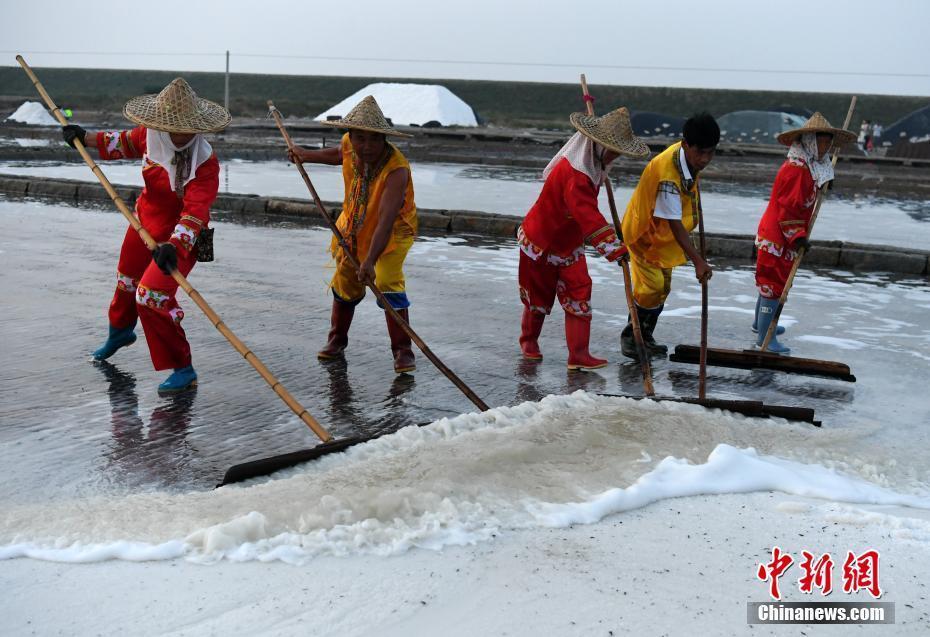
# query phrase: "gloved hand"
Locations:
[[166, 257], [72, 132], [802, 244]]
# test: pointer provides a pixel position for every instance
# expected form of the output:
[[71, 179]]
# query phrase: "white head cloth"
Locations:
[[161, 150], [580, 152], [805, 149]]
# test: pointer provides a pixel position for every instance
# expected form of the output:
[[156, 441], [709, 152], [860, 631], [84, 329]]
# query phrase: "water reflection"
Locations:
[[590, 381], [353, 411], [341, 395], [630, 377], [502, 173], [159, 455], [525, 372], [394, 411], [401, 385]]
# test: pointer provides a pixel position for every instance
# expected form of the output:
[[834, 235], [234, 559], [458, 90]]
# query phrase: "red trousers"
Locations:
[[772, 273], [142, 290], [550, 276]]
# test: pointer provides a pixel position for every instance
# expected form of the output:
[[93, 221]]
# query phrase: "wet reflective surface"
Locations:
[[72, 427], [729, 208]]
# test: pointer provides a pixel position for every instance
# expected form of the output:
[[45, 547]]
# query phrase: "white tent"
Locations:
[[406, 104], [32, 113]]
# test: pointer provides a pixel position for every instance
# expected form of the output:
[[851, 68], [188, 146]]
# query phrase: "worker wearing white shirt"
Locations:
[[663, 211]]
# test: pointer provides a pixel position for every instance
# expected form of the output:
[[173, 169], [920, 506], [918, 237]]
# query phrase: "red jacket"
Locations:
[[565, 217], [159, 208], [788, 214]]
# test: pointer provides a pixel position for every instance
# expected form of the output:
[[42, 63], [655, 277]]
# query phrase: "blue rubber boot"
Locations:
[[181, 378], [767, 309], [755, 320], [119, 337]]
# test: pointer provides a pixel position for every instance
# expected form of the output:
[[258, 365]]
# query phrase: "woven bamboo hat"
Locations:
[[612, 131], [177, 109], [817, 124], [366, 115]]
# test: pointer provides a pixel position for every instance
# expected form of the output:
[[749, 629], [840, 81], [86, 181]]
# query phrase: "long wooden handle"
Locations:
[[624, 263], [465, 389], [702, 373], [821, 195], [240, 347]]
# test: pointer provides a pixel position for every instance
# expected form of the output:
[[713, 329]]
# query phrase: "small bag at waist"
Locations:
[[205, 245]]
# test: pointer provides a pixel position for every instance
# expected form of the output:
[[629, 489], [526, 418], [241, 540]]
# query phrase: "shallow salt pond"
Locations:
[[729, 208], [105, 468]]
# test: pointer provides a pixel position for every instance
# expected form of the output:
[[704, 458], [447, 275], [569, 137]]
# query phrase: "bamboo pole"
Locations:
[[625, 265], [214, 318], [810, 228], [465, 389], [702, 373]]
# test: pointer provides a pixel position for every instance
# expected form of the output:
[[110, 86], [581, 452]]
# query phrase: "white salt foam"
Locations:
[[458, 481]]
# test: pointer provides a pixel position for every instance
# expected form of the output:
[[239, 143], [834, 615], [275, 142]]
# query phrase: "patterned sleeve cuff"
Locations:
[[607, 243], [185, 233]]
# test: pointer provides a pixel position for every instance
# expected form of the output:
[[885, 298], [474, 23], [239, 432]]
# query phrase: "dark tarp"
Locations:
[[757, 127], [806, 113], [646, 124], [910, 127]]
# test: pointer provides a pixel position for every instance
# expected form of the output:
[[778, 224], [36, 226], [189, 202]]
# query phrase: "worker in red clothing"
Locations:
[[181, 175], [564, 218], [783, 229]]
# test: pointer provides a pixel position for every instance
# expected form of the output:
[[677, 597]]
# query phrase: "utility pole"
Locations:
[[226, 92]]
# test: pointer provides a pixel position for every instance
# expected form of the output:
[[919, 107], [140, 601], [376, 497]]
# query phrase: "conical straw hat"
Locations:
[[177, 109], [817, 124], [612, 131], [366, 115]]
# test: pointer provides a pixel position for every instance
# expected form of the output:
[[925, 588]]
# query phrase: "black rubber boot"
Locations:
[[647, 324]]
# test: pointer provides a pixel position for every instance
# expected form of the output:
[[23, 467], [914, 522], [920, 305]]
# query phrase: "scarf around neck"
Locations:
[[805, 149], [181, 163], [580, 152]]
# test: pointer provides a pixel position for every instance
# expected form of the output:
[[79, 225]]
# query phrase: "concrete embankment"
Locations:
[[242, 207]]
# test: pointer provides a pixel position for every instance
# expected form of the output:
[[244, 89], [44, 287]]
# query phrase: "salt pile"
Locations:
[[32, 113], [406, 104]]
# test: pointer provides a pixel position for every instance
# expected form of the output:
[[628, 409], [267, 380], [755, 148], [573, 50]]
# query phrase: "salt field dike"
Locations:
[[281, 467]]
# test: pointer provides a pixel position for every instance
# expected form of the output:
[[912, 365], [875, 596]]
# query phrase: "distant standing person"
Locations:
[[783, 229], [181, 175], [564, 218], [876, 135], [378, 221], [659, 219], [865, 135]]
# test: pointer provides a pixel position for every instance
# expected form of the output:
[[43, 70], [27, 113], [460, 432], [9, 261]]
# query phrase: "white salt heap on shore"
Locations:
[[406, 104], [32, 113]]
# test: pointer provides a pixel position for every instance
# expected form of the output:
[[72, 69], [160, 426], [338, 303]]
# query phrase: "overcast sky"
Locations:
[[853, 46]]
